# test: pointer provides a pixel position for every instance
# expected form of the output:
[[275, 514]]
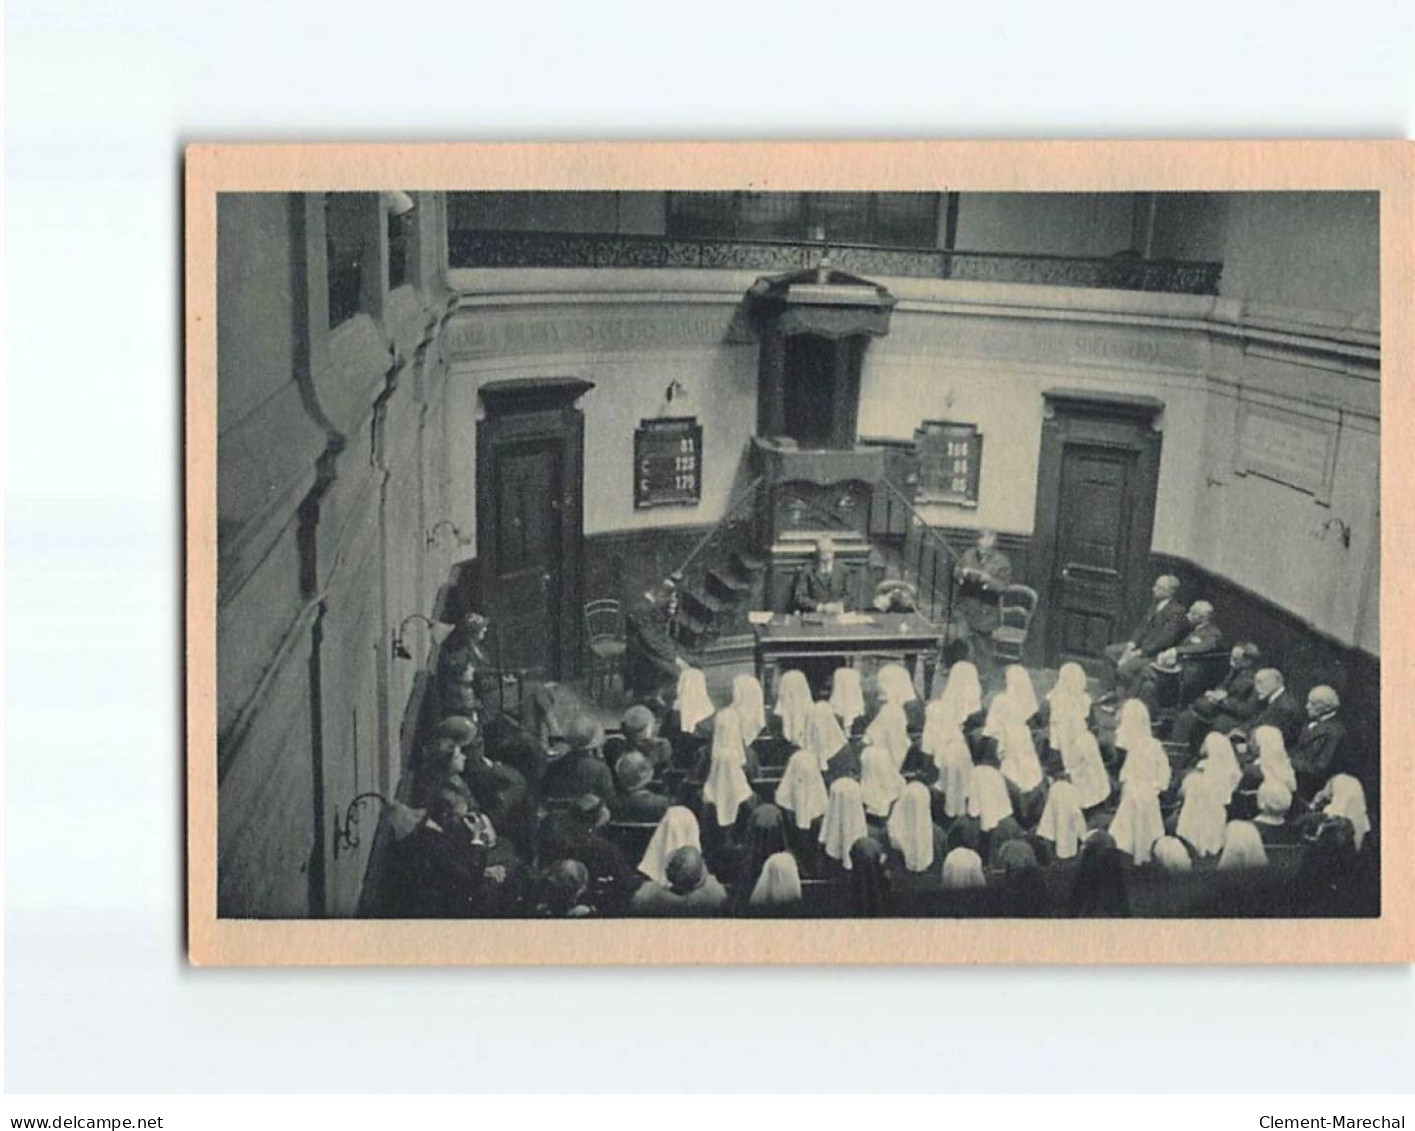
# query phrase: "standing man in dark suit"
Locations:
[[980, 577], [1316, 756], [824, 587], [1228, 706], [1164, 626], [1276, 708]]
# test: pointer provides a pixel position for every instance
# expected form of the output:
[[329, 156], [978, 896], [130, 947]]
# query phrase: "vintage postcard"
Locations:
[[799, 553]]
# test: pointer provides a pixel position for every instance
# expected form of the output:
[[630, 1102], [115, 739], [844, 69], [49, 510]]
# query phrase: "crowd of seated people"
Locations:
[[1007, 805]]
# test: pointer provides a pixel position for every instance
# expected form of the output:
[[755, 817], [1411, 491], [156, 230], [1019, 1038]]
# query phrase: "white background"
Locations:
[[100, 97]]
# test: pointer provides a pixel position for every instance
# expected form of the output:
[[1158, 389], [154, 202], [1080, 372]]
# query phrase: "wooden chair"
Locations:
[[1016, 608], [604, 634]]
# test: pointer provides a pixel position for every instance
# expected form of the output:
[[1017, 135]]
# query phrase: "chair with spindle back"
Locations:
[[607, 643]]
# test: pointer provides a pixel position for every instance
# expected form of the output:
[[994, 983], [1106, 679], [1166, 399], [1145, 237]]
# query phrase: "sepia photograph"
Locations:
[[736, 566]]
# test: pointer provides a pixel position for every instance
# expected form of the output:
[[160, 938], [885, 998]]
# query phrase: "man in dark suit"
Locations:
[[1164, 626], [652, 662], [979, 578], [824, 587], [1276, 708], [1166, 672], [1317, 753], [1228, 706]]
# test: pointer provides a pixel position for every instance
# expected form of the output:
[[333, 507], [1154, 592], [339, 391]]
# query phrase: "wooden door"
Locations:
[[1089, 581], [526, 572], [530, 523], [1097, 478]]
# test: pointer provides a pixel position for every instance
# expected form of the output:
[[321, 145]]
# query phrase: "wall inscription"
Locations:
[[1298, 451]]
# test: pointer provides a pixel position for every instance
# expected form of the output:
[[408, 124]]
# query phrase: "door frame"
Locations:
[[528, 410], [1114, 420]]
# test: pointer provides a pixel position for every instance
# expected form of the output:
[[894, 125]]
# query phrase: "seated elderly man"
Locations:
[[1166, 671], [652, 661], [979, 579], [1164, 625], [1317, 753], [1277, 707], [1231, 704], [823, 587]]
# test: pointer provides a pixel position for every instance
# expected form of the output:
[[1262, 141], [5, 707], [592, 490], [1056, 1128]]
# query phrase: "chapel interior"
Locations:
[[538, 406]]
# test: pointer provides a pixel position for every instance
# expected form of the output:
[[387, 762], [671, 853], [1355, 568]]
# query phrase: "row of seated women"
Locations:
[[748, 809]]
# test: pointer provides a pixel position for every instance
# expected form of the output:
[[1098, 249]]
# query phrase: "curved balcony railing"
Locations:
[[1123, 271]]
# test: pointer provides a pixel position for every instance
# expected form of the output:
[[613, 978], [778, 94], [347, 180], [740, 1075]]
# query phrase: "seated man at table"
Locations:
[[823, 587]]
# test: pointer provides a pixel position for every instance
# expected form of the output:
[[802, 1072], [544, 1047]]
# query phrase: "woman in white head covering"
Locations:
[[846, 698], [727, 787], [987, 797], [1019, 756], [747, 702], [779, 884], [677, 828], [1146, 765], [802, 790], [1134, 726], [1062, 821], [1343, 796], [911, 828], [1068, 703], [1242, 847], [943, 741], [1137, 823], [1217, 759], [823, 737], [1023, 696], [880, 780], [793, 705], [1273, 761], [692, 701], [1172, 857], [889, 730], [1274, 803], [963, 693], [894, 685], [999, 712], [1081, 759], [1205, 813], [844, 822], [963, 870]]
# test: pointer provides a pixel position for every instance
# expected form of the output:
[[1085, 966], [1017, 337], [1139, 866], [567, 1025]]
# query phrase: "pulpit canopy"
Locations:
[[832, 304]]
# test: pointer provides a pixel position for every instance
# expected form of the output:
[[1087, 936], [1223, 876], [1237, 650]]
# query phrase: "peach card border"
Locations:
[[1384, 166]]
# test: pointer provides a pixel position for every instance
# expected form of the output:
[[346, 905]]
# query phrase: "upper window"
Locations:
[[400, 237], [882, 219], [347, 251]]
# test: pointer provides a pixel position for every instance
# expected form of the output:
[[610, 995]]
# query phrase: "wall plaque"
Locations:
[[1298, 451], [950, 462], [668, 462]]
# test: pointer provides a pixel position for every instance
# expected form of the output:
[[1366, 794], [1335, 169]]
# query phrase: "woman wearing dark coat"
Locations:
[[1100, 890], [871, 894]]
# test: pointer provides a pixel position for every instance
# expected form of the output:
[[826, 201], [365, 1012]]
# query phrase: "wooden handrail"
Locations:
[[733, 504], [919, 519]]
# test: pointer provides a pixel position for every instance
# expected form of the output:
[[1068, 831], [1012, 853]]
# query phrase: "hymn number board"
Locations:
[[950, 462], [668, 462]]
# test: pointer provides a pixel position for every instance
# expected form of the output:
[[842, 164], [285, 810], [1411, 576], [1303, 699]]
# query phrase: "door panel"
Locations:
[[528, 494], [1089, 583]]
